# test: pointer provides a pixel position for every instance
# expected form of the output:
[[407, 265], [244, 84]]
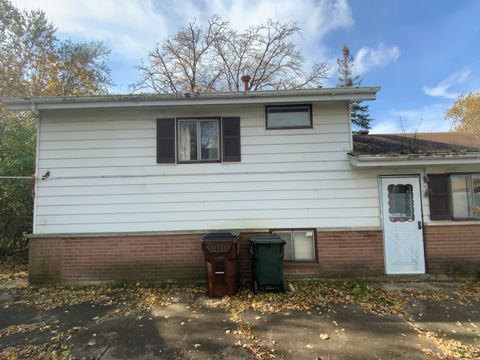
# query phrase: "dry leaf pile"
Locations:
[[448, 348], [128, 299], [12, 270], [310, 294]]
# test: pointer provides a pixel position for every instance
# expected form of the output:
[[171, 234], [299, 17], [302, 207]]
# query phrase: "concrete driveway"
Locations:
[[319, 320]]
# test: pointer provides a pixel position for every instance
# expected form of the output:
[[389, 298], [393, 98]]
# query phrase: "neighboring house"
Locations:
[[131, 183]]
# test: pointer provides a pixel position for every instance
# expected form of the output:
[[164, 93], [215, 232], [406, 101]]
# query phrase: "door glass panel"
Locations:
[[187, 147], [400, 202], [460, 201], [287, 236], [209, 139], [303, 245]]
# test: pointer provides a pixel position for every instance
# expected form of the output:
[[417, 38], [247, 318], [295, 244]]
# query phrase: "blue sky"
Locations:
[[422, 53]]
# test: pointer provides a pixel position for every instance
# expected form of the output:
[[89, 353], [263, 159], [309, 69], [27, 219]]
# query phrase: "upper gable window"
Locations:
[[198, 140], [289, 116]]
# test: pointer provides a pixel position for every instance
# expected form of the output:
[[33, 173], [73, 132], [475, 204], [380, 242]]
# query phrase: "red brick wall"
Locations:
[[343, 253], [350, 253], [453, 249], [45, 260], [179, 257]]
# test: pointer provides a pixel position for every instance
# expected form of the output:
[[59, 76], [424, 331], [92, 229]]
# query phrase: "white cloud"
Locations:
[[128, 27], [428, 118], [367, 58], [131, 27], [442, 89]]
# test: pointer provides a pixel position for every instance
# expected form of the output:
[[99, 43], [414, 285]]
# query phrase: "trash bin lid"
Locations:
[[221, 236], [267, 239]]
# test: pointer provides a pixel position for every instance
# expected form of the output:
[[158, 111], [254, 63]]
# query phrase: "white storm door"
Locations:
[[402, 225]]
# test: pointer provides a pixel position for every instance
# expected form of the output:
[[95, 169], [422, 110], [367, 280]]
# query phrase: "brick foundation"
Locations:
[[453, 250], [77, 260]]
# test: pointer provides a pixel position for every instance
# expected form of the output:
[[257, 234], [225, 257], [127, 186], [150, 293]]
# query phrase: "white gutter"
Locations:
[[191, 99], [371, 161]]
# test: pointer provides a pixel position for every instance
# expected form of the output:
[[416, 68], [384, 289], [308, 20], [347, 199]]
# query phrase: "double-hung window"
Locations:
[[300, 244], [465, 190], [198, 140]]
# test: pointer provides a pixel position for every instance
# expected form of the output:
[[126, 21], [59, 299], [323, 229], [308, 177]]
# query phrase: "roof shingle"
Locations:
[[416, 143]]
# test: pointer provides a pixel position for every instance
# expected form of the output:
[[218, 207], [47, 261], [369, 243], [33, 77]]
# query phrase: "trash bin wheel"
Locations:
[[283, 287], [255, 286]]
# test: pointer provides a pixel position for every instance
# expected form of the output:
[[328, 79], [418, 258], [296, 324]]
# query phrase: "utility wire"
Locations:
[[16, 177]]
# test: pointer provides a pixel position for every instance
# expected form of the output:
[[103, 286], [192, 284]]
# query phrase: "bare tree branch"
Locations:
[[214, 57]]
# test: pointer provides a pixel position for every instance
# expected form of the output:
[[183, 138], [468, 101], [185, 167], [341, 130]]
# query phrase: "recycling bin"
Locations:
[[267, 262], [220, 251]]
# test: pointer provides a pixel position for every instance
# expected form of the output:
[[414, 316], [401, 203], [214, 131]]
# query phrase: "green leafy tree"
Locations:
[[33, 62], [17, 158], [359, 113]]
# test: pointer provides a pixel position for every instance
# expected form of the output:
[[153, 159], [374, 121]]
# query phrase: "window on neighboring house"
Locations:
[[465, 190], [198, 140], [300, 244], [288, 116]]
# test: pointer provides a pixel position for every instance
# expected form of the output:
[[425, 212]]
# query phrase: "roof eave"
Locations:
[[261, 97], [373, 161]]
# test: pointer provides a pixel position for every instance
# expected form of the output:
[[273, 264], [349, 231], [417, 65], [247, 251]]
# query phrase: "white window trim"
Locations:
[[199, 140]]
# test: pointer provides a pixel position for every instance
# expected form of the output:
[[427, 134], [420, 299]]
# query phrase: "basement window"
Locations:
[[300, 244], [288, 116]]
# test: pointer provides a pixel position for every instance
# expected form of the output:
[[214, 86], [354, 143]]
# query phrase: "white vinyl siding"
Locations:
[[104, 175]]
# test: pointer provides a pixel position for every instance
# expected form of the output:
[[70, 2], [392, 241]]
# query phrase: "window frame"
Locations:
[[309, 126], [198, 119], [470, 195], [292, 230]]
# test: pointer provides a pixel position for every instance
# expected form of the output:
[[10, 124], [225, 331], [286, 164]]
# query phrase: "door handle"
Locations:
[[419, 225]]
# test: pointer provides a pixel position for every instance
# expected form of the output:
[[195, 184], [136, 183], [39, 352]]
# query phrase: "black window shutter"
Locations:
[[231, 139], [165, 141], [439, 195]]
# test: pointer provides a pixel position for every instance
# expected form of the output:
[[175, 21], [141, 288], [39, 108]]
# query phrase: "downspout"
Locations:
[[35, 175], [350, 126]]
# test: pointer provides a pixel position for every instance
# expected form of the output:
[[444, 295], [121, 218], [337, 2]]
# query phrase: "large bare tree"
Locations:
[[215, 57]]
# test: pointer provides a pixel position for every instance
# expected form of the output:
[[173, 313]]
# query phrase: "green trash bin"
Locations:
[[267, 262]]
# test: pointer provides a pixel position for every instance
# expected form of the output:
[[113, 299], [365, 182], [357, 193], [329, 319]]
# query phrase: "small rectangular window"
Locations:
[[300, 244], [198, 140], [289, 116], [465, 195]]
